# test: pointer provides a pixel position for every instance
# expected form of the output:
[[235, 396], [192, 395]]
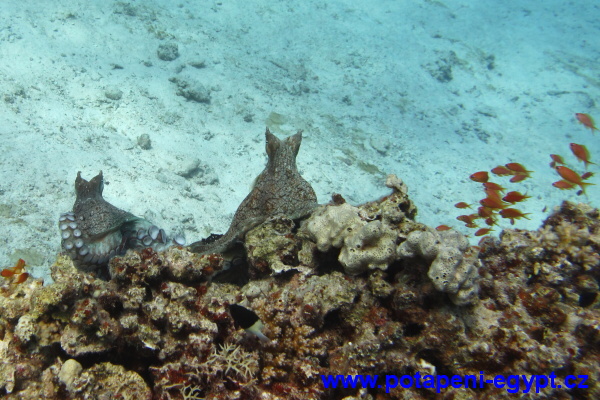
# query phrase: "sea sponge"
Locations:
[[371, 246], [365, 244], [329, 224], [453, 269]]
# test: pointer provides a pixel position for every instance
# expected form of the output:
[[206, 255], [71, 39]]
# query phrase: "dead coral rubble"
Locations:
[[160, 329]]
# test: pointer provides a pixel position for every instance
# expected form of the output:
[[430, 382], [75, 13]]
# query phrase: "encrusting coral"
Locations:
[[376, 234], [454, 267], [160, 328]]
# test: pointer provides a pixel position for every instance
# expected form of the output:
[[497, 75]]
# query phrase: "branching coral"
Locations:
[[230, 359]]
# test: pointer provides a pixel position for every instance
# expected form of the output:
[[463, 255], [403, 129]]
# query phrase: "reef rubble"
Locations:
[[351, 290]]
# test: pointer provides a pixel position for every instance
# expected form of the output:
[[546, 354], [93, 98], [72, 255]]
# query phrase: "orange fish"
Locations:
[[493, 186], [557, 159], [471, 225], [582, 153], [442, 228], [483, 231], [18, 271], [481, 176], [492, 194], [564, 185], [484, 212], [517, 168], [586, 120], [462, 204], [493, 203], [515, 197], [518, 178], [501, 171], [572, 176], [587, 175], [490, 221], [512, 214], [20, 265], [7, 272], [21, 278], [467, 219]]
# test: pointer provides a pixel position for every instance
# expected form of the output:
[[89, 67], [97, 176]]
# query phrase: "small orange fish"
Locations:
[[467, 219], [483, 231], [586, 120], [501, 171], [490, 221], [21, 278], [518, 178], [471, 225], [572, 176], [481, 176], [517, 168], [492, 194], [564, 185], [587, 175], [484, 212], [7, 272], [493, 186], [462, 204], [557, 159], [513, 213], [493, 203], [20, 265], [582, 153], [442, 228], [515, 197], [18, 272]]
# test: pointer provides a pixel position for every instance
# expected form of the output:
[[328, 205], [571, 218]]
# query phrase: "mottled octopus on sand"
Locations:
[[95, 230]]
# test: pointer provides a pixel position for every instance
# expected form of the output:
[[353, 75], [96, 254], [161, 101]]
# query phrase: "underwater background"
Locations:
[[430, 91], [170, 100]]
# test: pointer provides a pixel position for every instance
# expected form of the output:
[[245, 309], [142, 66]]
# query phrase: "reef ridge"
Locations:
[[353, 290]]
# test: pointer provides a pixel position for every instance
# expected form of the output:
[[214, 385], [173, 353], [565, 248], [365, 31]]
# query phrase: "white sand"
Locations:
[[360, 80]]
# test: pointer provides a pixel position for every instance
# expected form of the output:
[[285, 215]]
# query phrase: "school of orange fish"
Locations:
[[496, 204], [17, 273]]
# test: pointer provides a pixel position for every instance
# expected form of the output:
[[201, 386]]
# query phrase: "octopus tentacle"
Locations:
[[95, 231]]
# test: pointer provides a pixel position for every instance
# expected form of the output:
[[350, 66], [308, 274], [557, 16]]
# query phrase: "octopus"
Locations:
[[279, 191], [95, 231]]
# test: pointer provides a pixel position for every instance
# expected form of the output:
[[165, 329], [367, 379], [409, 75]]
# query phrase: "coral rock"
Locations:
[[453, 269], [371, 246]]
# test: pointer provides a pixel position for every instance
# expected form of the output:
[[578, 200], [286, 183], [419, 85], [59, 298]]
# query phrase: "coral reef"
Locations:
[[367, 235], [376, 234], [160, 328], [454, 269]]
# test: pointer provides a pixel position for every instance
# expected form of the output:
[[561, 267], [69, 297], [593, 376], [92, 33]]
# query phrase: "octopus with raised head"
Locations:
[[95, 230], [279, 190]]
